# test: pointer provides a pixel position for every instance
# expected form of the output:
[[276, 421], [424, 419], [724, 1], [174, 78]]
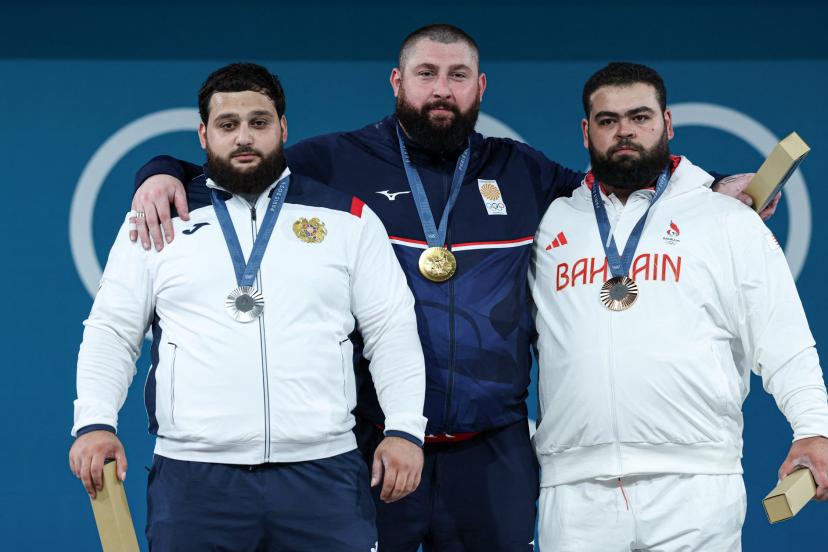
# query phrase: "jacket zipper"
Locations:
[[172, 382], [447, 427], [262, 347], [613, 399]]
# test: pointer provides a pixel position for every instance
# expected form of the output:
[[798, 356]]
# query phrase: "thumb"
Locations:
[[121, 464], [787, 467], [376, 469], [180, 201]]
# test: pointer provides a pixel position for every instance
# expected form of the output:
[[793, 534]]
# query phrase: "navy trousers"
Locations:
[[475, 496], [291, 507]]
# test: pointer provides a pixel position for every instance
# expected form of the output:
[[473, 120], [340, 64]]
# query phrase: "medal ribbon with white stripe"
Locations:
[[245, 303], [436, 256], [620, 291]]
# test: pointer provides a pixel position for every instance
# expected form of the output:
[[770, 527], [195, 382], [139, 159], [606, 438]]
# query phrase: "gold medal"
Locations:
[[619, 293], [437, 264]]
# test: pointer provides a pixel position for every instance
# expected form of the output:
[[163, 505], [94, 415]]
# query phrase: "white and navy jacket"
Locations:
[[278, 389], [658, 388]]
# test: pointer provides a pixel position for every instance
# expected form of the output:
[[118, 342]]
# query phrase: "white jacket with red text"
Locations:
[[658, 388]]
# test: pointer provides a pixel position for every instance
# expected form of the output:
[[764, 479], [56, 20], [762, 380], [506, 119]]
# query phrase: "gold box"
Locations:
[[112, 514], [776, 170], [790, 495]]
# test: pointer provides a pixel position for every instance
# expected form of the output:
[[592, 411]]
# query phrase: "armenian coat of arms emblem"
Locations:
[[310, 231]]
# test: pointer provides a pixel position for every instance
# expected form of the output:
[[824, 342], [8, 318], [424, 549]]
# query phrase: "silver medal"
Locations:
[[244, 304]]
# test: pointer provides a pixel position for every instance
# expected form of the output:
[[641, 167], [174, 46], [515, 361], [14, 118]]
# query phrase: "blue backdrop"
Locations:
[[85, 106]]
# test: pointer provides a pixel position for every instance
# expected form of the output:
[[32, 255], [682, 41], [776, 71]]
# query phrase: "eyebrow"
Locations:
[[257, 113], [433, 67], [629, 113]]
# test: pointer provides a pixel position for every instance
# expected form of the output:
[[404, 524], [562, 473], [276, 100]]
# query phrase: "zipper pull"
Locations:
[[253, 212]]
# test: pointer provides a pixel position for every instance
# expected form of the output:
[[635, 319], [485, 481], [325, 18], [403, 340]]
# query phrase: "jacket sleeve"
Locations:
[[383, 306], [555, 181], [165, 164], [113, 335], [314, 157], [772, 327]]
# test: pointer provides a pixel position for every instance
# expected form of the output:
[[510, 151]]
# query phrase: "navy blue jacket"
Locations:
[[476, 329]]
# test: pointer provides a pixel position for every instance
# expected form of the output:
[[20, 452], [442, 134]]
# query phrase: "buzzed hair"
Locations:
[[622, 73], [438, 32]]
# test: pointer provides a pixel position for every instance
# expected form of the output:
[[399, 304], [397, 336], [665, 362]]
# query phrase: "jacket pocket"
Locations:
[[172, 380], [346, 353]]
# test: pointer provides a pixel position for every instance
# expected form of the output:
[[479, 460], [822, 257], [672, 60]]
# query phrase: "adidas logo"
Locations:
[[560, 240]]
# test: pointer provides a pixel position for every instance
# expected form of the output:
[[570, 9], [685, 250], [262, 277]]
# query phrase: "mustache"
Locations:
[[241, 150], [626, 144], [441, 104]]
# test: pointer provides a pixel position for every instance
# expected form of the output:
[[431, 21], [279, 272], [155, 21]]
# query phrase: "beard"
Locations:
[[248, 182], [441, 135], [628, 172]]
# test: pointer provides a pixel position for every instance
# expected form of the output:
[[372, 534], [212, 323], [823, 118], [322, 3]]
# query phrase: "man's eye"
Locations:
[[426, 73], [261, 123], [227, 126], [641, 118], [458, 76], [605, 122]]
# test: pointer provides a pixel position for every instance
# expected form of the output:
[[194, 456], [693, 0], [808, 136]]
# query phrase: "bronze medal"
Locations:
[[437, 264], [619, 293]]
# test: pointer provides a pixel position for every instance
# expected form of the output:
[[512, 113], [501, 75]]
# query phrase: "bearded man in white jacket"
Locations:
[[250, 394], [655, 299]]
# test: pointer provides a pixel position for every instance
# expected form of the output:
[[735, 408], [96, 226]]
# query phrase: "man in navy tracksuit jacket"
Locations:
[[480, 479]]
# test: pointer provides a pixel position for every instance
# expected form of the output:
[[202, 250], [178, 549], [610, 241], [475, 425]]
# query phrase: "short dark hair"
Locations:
[[438, 32], [241, 77], [622, 73]]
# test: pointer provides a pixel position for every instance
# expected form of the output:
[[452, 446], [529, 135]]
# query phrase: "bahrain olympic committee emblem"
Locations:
[[310, 231]]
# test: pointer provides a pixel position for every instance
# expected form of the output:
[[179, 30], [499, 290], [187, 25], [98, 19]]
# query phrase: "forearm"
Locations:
[[384, 309], [799, 390], [106, 367]]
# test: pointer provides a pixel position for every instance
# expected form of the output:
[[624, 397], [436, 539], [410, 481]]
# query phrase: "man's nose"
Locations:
[[441, 87], [625, 129], [243, 136]]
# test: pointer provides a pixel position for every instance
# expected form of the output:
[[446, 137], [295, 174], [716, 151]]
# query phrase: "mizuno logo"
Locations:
[[195, 227], [392, 195]]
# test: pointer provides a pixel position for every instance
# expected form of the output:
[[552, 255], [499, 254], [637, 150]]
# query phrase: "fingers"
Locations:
[[744, 198], [388, 483], [376, 468], [86, 476], [164, 218], [121, 464], [88, 455], [180, 200], [133, 226], [96, 469], [154, 227], [769, 211], [787, 467]]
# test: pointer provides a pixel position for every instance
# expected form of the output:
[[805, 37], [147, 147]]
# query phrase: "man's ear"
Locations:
[[283, 125], [202, 135], [396, 80]]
